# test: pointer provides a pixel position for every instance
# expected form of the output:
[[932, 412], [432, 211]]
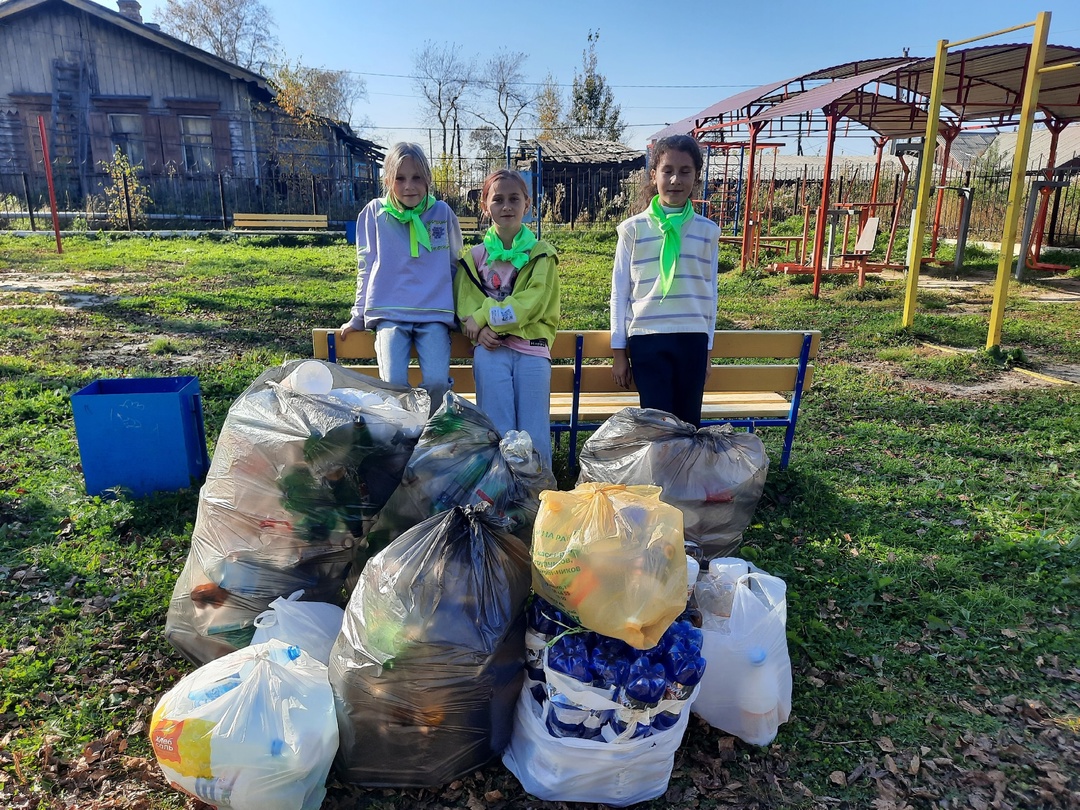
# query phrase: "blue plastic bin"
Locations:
[[144, 434], [350, 232]]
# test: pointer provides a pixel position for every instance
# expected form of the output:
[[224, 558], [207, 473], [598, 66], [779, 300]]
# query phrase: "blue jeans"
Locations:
[[514, 390], [393, 344]]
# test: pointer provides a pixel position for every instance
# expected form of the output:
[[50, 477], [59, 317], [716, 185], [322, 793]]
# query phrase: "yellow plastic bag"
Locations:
[[612, 557]]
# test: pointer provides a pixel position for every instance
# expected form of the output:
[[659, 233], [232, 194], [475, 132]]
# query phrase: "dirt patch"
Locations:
[[52, 287]]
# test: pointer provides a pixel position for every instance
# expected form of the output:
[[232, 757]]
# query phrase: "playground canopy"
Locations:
[[983, 86], [890, 98]]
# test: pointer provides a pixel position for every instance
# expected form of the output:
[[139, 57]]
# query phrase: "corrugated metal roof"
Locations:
[[579, 150], [988, 81]]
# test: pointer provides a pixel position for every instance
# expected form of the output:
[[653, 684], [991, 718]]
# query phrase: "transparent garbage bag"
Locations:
[[311, 626], [252, 730], [747, 685], [430, 658], [715, 474], [296, 479], [611, 556], [460, 459]]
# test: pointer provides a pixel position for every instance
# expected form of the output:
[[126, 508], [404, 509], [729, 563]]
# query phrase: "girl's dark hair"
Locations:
[[672, 143]]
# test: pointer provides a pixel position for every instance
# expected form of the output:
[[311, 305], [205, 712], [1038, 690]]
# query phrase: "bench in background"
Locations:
[[470, 225], [280, 221], [584, 395]]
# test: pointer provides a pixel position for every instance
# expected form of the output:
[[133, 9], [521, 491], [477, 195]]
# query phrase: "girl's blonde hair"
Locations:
[[672, 143], [393, 160], [496, 176]]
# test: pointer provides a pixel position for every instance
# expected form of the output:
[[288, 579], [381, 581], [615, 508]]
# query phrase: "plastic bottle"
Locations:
[[459, 491], [544, 622], [566, 718], [644, 688], [758, 699], [200, 697], [310, 377], [693, 568], [683, 667]]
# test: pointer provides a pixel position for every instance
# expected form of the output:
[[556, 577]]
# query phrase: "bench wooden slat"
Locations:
[[280, 221], [727, 343], [597, 379]]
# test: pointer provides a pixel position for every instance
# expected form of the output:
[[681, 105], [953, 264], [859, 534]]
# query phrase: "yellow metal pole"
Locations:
[[1032, 83], [926, 170]]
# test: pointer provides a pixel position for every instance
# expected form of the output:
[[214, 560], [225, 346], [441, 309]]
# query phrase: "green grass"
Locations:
[[928, 529]]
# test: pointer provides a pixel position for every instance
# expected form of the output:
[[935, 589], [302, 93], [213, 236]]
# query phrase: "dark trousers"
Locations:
[[669, 372]]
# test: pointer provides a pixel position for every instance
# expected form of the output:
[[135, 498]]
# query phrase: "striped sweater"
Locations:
[[637, 307]]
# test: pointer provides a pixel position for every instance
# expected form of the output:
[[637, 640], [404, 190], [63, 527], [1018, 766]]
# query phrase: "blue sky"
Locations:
[[664, 61]]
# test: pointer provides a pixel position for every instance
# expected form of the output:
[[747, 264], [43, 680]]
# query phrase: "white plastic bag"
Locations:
[[253, 730], [311, 626], [746, 689], [570, 769]]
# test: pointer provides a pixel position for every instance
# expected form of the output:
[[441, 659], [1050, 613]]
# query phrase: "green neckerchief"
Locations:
[[671, 226], [418, 232], [518, 252]]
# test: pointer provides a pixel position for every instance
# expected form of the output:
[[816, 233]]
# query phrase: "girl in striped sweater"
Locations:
[[663, 287]]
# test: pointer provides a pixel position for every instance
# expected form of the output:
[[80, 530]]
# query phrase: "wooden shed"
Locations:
[[582, 178]]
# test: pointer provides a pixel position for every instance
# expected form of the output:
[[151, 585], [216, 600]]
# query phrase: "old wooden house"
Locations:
[[104, 80]]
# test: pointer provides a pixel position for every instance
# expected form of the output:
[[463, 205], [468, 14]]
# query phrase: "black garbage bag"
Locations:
[[715, 474], [428, 665], [300, 470], [460, 459]]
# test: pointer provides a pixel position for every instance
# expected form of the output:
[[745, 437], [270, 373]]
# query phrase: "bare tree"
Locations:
[[549, 108], [443, 78], [236, 30], [503, 82], [303, 91]]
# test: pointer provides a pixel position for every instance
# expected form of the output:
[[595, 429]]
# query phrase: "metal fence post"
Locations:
[[221, 200], [30, 208], [127, 201]]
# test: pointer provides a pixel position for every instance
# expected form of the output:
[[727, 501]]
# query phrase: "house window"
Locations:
[[127, 136], [197, 143]]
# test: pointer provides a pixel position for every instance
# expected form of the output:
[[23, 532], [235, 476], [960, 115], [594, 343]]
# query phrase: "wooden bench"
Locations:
[[584, 395], [470, 225], [280, 221]]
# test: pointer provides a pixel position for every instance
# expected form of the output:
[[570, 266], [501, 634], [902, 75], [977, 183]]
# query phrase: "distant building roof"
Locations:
[[579, 150]]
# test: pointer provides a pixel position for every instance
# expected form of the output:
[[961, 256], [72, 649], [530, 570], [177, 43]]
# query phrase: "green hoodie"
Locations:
[[535, 298]]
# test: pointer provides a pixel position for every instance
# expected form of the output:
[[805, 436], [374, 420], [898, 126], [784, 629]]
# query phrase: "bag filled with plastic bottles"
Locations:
[[746, 688], [428, 665], [306, 457], [253, 730], [611, 556], [715, 474], [460, 459], [610, 719]]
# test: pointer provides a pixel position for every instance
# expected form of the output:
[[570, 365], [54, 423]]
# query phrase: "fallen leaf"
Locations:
[[838, 778], [886, 744]]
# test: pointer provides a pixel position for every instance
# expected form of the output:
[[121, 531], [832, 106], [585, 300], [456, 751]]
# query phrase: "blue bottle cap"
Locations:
[[756, 655]]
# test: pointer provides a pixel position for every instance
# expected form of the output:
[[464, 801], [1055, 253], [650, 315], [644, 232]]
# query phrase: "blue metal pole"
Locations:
[[539, 189], [705, 182]]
